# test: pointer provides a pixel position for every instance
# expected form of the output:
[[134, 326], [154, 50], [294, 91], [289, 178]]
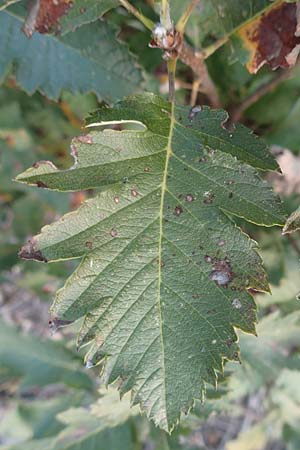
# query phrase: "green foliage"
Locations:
[[167, 203]]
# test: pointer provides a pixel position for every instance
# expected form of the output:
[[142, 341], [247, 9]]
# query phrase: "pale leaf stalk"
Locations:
[[181, 24], [165, 17], [135, 12], [172, 72]]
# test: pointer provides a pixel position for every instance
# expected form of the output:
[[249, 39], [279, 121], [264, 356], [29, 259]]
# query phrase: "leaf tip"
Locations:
[[29, 251]]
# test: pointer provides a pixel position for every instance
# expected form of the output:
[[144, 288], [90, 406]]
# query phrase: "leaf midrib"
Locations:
[[161, 215]]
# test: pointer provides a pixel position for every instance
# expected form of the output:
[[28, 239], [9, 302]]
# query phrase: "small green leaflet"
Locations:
[[51, 64], [165, 272]]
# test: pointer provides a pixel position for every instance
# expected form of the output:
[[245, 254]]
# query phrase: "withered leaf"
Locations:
[[44, 16], [273, 38]]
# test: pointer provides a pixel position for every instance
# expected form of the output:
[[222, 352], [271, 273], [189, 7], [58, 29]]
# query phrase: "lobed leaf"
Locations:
[[165, 272], [51, 64]]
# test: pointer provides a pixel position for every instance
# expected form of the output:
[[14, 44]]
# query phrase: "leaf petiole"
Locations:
[[135, 12]]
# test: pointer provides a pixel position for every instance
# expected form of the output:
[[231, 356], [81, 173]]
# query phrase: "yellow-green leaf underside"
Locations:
[[165, 272]]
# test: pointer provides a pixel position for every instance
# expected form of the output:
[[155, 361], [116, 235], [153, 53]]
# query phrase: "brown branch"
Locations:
[[238, 111], [196, 62]]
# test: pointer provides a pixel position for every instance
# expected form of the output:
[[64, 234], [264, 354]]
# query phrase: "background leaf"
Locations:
[[106, 67]]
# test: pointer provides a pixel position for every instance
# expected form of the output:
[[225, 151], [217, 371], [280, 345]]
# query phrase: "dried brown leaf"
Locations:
[[273, 38], [44, 15]]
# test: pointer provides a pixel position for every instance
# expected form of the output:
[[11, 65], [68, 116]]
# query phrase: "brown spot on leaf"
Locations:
[[55, 324], [84, 139], [177, 210], [113, 233], [273, 38], [40, 184], [134, 192], [37, 164], [221, 272], [30, 251], [89, 244], [44, 15], [189, 198], [208, 197]]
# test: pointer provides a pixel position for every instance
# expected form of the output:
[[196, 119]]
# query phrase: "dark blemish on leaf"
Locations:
[[230, 195], [162, 264], [147, 169], [229, 342], [116, 199], [55, 324], [202, 160], [84, 139], [125, 180], [44, 16], [36, 165], [229, 182], [236, 357], [134, 192], [221, 273], [194, 111], [228, 125], [189, 198], [113, 233], [40, 184], [196, 296], [208, 197], [89, 244], [208, 258], [236, 303], [82, 10], [178, 210], [29, 251]]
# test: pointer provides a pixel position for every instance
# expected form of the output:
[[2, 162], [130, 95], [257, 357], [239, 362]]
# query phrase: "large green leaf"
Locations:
[[90, 59], [165, 271]]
